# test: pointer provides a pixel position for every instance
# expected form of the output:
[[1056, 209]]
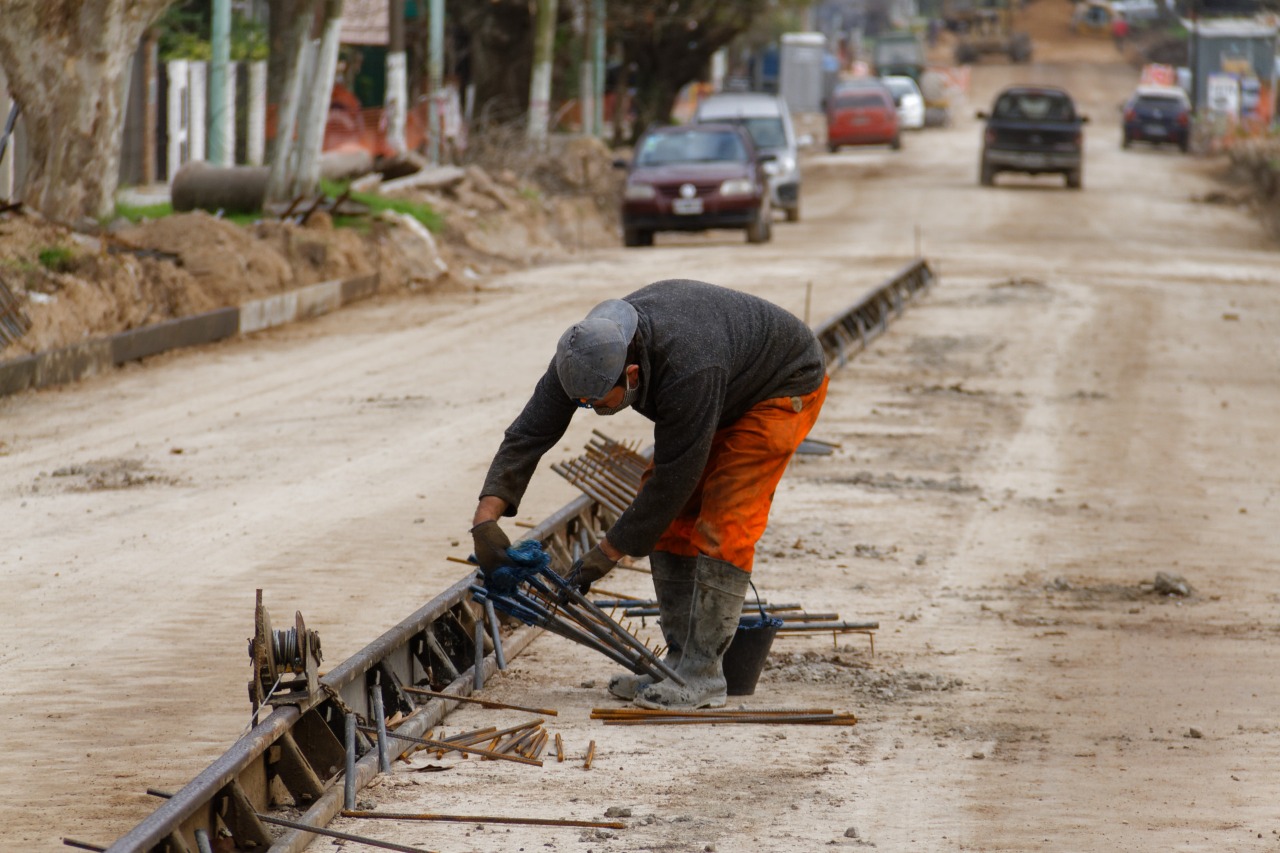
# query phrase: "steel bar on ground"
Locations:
[[817, 720], [345, 836], [439, 744], [821, 627], [485, 702], [81, 845], [521, 821]]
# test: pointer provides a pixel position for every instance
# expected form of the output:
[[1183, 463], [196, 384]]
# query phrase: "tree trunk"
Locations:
[[317, 97], [544, 43], [67, 62], [282, 150]]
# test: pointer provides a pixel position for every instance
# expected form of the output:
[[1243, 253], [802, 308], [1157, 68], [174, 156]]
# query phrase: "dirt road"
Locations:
[[1087, 399]]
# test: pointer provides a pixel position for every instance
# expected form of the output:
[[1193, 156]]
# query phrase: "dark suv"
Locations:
[[1036, 130], [695, 178]]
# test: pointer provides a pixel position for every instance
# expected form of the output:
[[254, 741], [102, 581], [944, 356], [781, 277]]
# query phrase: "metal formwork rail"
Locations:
[[301, 746]]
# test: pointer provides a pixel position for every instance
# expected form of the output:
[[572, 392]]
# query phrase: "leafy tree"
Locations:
[[662, 46], [66, 62]]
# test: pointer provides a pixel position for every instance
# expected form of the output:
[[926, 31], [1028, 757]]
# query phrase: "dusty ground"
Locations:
[[1087, 399]]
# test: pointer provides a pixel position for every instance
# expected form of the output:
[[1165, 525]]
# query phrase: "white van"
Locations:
[[768, 121]]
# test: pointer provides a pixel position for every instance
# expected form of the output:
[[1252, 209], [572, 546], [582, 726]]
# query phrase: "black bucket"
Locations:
[[745, 657]]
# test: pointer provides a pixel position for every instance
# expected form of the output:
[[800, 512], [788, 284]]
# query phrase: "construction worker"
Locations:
[[733, 384]]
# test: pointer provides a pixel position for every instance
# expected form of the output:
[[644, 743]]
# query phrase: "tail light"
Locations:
[[989, 137], [1130, 114], [1184, 119]]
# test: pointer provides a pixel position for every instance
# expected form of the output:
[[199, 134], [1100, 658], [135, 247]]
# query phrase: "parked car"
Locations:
[[1036, 130], [908, 100], [1157, 114], [696, 177], [768, 120], [862, 114]]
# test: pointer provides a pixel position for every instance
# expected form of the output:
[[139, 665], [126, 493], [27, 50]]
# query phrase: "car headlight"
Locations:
[[640, 192], [737, 186], [786, 164]]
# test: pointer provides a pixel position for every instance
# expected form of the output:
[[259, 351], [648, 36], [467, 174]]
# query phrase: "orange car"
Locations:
[[864, 115]]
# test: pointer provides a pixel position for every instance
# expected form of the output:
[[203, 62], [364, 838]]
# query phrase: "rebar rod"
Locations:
[[488, 703], [380, 723], [521, 821], [832, 626], [437, 744], [345, 836], [349, 778], [499, 655]]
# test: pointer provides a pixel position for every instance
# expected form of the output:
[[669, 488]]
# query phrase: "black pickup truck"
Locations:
[[1033, 129]]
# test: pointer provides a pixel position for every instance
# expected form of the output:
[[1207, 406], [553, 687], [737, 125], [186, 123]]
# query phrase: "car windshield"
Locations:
[[765, 131], [849, 102], [899, 87], [1034, 106], [1161, 102], [691, 147]]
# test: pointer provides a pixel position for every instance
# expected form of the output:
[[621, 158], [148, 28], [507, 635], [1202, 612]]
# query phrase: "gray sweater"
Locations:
[[707, 355]]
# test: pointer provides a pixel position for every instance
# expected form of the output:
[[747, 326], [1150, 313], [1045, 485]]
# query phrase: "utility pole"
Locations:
[[397, 77], [435, 78], [584, 28], [598, 61], [220, 153], [544, 40]]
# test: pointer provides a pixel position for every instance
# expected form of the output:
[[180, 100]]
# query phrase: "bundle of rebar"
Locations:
[[795, 620], [531, 592], [756, 716], [608, 472]]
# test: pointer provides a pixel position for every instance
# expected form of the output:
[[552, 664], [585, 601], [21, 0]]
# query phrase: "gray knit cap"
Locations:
[[591, 354]]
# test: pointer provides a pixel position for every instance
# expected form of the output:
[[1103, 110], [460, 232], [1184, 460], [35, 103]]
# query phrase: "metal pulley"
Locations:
[[286, 663]]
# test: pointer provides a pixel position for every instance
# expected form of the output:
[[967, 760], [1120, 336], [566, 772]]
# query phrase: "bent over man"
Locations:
[[733, 384]]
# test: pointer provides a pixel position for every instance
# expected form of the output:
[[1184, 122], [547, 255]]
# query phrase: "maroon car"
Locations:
[[696, 178]]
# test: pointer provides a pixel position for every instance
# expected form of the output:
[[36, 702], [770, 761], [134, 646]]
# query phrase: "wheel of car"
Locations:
[[1184, 144], [832, 147], [896, 144], [1075, 179], [988, 176], [793, 213], [761, 228], [1126, 141]]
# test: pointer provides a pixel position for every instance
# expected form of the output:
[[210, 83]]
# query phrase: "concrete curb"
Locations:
[[79, 361]]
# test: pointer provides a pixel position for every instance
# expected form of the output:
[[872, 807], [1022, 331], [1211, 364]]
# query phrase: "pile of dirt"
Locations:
[[75, 286]]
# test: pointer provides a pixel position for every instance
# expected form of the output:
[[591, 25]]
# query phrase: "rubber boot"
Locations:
[[673, 583], [719, 589]]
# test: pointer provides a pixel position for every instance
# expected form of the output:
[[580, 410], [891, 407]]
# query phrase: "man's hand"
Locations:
[[589, 568], [491, 545]]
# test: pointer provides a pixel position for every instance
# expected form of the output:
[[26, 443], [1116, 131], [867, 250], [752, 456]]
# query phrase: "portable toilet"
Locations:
[[801, 74]]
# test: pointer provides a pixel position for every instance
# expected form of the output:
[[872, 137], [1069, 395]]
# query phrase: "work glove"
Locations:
[[589, 568], [491, 545]]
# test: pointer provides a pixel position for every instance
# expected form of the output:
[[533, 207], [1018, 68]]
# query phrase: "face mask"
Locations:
[[628, 397]]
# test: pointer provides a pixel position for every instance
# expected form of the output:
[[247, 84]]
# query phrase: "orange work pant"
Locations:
[[729, 508]]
